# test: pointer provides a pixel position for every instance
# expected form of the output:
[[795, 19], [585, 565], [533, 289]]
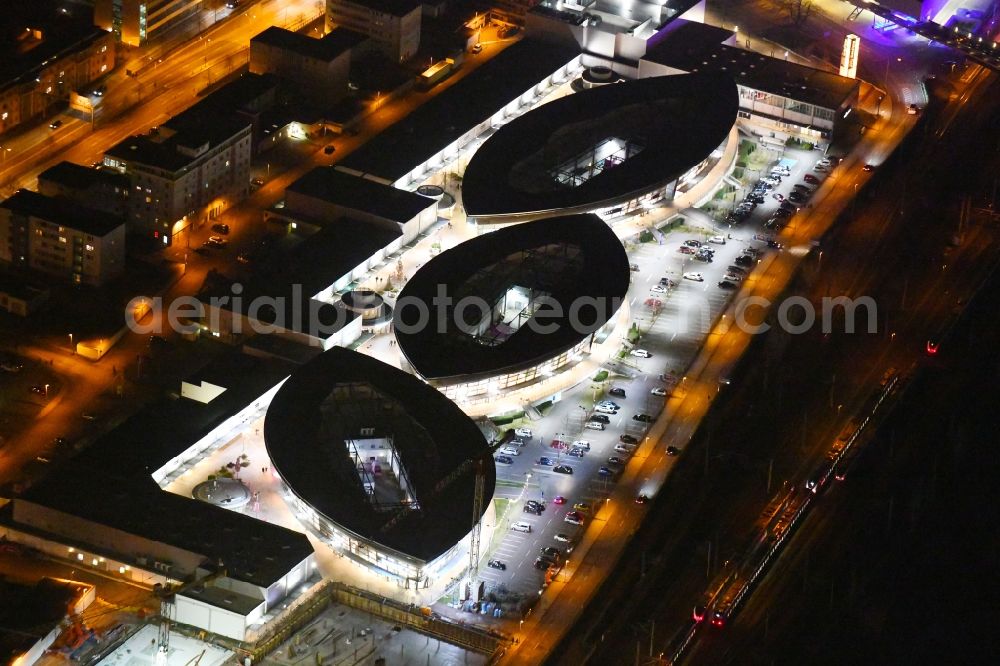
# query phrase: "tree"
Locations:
[[798, 11]]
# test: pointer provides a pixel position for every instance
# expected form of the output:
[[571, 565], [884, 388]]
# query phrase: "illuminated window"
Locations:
[[48, 90], [4, 116], [90, 248], [62, 239], [104, 68]]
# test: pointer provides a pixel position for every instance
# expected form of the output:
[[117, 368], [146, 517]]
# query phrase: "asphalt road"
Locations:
[[792, 400]]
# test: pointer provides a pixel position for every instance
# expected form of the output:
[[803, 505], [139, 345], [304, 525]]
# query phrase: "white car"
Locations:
[[521, 526], [641, 353], [718, 240], [659, 390], [582, 444], [605, 409], [658, 289], [510, 451], [523, 432], [621, 448], [694, 277]]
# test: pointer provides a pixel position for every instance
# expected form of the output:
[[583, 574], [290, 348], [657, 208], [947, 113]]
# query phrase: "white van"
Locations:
[[594, 425], [510, 451], [521, 526]]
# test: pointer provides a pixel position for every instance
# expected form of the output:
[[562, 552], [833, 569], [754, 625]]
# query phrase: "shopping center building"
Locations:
[[510, 308], [378, 465], [611, 149]]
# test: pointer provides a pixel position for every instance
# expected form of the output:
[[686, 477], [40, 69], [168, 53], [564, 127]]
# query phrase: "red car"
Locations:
[[558, 499], [684, 249], [809, 178]]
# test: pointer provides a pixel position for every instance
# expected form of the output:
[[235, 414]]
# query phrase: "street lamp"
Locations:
[[71, 341]]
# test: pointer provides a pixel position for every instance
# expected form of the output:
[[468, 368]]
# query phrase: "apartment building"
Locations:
[[101, 189], [188, 171], [319, 68], [394, 25], [44, 56], [61, 238], [135, 22]]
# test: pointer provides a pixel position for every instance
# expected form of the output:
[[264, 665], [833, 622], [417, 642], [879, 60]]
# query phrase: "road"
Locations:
[[812, 384], [163, 88]]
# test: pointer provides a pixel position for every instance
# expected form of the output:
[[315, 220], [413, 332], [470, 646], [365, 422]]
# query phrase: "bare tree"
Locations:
[[798, 11]]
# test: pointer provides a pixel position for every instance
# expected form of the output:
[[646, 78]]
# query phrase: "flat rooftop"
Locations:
[[121, 464], [252, 550], [567, 258], [190, 131], [62, 212], [327, 48], [696, 47], [297, 273], [32, 34], [79, 177], [448, 115], [601, 146], [361, 194], [325, 402]]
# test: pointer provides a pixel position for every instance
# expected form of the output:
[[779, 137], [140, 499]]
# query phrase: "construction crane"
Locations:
[[479, 499], [166, 594]]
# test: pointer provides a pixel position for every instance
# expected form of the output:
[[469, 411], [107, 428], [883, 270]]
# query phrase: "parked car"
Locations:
[[622, 448], [330, 149], [523, 432], [504, 460], [605, 471], [809, 178], [546, 461], [718, 240], [694, 277], [221, 228], [562, 469], [641, 353], [558, 499], [725, 284], [565, 538], [643, 418], [628, 439], [658, 390], [55, 124], [574, 517], [615, 460], [497, 564], [672, 450], [617, 391], [521, 526]]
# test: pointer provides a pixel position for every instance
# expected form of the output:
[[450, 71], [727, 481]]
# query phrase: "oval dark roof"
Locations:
[[568, 258], [340, 391], [671, 123]]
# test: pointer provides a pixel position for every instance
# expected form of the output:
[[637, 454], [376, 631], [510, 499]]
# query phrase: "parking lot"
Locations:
[[673, 323]]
